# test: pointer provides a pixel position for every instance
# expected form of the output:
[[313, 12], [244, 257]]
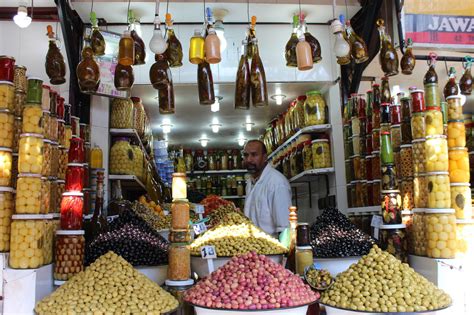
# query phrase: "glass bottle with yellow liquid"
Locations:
[[196, 48], [174, 52], [358, 47], [96, 39], [126, 56], [96, 157]]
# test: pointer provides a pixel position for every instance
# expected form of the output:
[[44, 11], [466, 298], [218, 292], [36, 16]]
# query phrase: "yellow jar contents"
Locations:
[[7, 95], [32, 119], [53, 128], [6, 210], [407, 190], [5, 166], [434, 121], [420, 191], [47, 154], [439, 193], [440, 233], [459, 171], [96, 157], [406, 160], [461, 200], [454, 108], [465, 238], [54, 159], [419, 233], [138, 168], [356, 145], [418, 156], [304, 258], [396, 136], [63, 160], [30, 153], [315, 110], [45, 195], [46, 122], [418, 128], [26, 243], [321, 153], [17, 125], [456, 134], [6, 129], [28, 194], [122, 159], [52, 195], [121, 115], [50, 230], [307, 156], [67, 137], [436, 154]]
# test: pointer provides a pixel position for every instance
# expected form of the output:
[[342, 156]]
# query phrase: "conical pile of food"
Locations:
[[109, 285]]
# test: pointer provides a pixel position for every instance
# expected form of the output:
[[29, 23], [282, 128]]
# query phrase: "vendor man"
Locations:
[[268, 191]]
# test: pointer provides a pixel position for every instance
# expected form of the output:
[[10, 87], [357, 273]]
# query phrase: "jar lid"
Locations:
[[385, 104], [436, 137], [61, 121], [436, 108], [472, 152], [377, 181], [458, 149], [31, 217], [56, 215], [460, 184], [419, 210], [369, 157], [6, 189], [420, 174], [355, 182], [35, 78], [61, 181], [320, 140], [375, 153], [59, 282], [313, 93], [18, 118], [390, 191], [75, 164], [70, 232], [404, 146], [307, 247], [464, 221], [5, 149], [6, 111], [36, 135], [417, 91], [407, 212], [396, 126], [376, 130], [54, 143], [407, 179], [437, 173], [392, 226], [431, 211], [47, 141], [47, 112], [354, 156], [82, 124], [405, 98], [387, 133], [6, 82], [45, 86], [73, 194], [452, 97], [7, 57], [29, 175], [174, 283], [363, 181], [418, 140], [456, 121], [370, 182]]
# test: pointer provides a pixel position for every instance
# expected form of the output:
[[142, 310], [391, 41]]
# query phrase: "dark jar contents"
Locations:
[[408, 60], [242, 83], [124, 77], [302, 234], [88, 72], [7, 68], [466, 82], [205, 84], [55, 66], [166, 99], [393, 239], [160, 73], [258, 81], [391, 206]]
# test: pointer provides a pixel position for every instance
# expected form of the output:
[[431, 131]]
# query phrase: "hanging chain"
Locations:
[[128, 10], [248, 11], [204, 10], [347, 11], [92, 6], [299, 6], [32, 8], [167, 5]]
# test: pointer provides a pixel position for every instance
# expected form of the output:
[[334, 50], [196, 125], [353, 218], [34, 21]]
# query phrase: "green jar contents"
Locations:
[[321, 153], [35, 90], [431, 94], [386, 149], [315, 109], [307, 155]]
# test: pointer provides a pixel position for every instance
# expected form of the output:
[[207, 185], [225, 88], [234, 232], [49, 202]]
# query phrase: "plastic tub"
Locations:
[[335, 265]]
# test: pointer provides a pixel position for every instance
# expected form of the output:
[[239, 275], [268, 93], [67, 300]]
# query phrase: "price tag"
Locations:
[[376, 221], [199, 228], [199, 209], [208, 252]]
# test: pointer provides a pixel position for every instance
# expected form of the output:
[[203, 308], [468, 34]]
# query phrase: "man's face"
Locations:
[[254, 157]]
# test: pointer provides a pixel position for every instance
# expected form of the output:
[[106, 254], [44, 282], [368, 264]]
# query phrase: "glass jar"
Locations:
[[385, 113], [72, 204], [395, 114], [405, 103], [27, 241], [418, 155], [355, 126], [420, 190], [376, 119], [417, 101], [406, 132], [358, 196], [75, 177], [45, 98], [368, 167], [419, 232], [376, 140], [7, 95], [75, 126], [28, 194], [47, 154], [356, 144], [63, 157], [32, 119], [432, 94], [121, 115], [439, 196], [30, 153], [356, 166], [61, 132], [376, 166], [16, 133], [408, 192], [303, 258], [46, 121], [67, 136], [45, 195], [389, 177], [459, 170], [391, 206], [20, 101], [321, 153], [53, 130], [5, 166], [440, 229], [461, 200], [465, 238], [34, 92], [394, 240], [7, 207], [307, 155], [60, 189], [315, 109], [436, 154], [52, 194], [69, 253], [7, 68], [121, 157], [179, 262], [433, 121], [54, 159], [406, 160], [76, 152], [19, 78], [396, 136], [418, 126], [456, 133], [454, 108]]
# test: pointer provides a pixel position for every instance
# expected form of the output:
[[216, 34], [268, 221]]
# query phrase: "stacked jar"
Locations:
[[406, 172]]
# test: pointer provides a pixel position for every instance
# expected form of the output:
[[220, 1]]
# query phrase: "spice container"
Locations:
[[75, 177], [7, 206], [391, 206], [396, 136], [7, 95], [376, 167], [418, 126], [5, 166], [456, 133], [406, 132], [179, 262], [27, 241], [459, 170], [418, 146], [461, 200], [406, 160], [436, 154], [71, 211], [30, 153], [32, 119], [63, 161], [419, 232], [454, 108], [389, 177], [45, 195], [434, 121], [121, 115], [307, 155], [439, 195], [69, 253], [440, 229], [393, 239], [321, 153], [407, 190], [417, 101], [315, 109], [420, 190], [465, 238], [7, 68]]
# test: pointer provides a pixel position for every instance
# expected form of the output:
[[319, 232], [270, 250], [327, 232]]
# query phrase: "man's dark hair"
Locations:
[[262, 145]]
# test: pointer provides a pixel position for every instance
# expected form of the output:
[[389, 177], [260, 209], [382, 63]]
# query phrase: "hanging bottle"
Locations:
[[139, 45], [212, 47], [312, 41], [258, 82], [174, 52], [451, 88], [96, 39], [431, 76], [251, 34], [408, 60], [166, 99], [342, 48], [160, 73], [385, 91], [290, 48], [123, 77], [465, 83], [358, 46], [196, 48], [205, 84], [126, 55], [242, 81], [304, 55], [55, 66], [388, 56], [88, 72], [98, 223]]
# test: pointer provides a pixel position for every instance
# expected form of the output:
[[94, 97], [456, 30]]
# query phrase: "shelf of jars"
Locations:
[[224, 172], [129, 132], [129, 181], [233, 197], [364, 209], [306, 130], [307, 175]]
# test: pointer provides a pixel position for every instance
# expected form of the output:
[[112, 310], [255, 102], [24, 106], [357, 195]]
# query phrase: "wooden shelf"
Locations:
[[129, 182], [233, 197], [364, 209], [129, 133], [308, 175], [221, 172]]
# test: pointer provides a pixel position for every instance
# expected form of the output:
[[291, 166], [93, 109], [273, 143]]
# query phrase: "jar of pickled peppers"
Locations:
[[71, 210]]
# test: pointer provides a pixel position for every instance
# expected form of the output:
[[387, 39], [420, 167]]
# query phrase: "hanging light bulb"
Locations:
[[21, 18], [248, 125], [278, 97], [241, 141], [216, 106], [166, 126], [342, 48], [204, 141], [157, 44]]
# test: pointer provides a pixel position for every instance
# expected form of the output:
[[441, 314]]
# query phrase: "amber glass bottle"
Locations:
[[358, 46], [55, 66], [250, 36], [451, 88], [96, 39], [166, 99], [126, 56], [174, 52], [258, 82], [290, 48], [408, 60], [386, 97], [88, 72], [205, 84], [242, 82], [160, 73], [388, 56], [124, 77], [139, 45], [431, 76], [466, 80]]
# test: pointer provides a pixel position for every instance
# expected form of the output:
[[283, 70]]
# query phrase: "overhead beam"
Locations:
[[40, 14]]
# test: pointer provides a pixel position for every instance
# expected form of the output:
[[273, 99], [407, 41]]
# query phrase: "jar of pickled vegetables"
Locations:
[[121, 115], [63, 161], [53, 128], [355, 125], [7, 206], [406, 132], [370, 195], [418, 232], [439, 195], [376, 119], [54, 159], [19, 78], [46, 121], [389, 177], [396, 136], [376, 166], [417, 101], [376, 190], [456, 133], [440, 229], [16, 133], [27, 241], [391, 206], [461, 200], [138, 167], [84, 132], [72, 204], [348, 171], [436, 154], [433, 121], [358, 200], [321, 153], [20, 101], [121, 157], [28, 194], [356, 166], [454, 108], [418, 146], [30, 153], [394, 240], [52, 195], [60, 189], [5, 166], [420, 190], [465, 238], [418, 126], [32, 119], [356, 144], [307, 155], [7, 95], [368, 167], [96, 157], [405, 103], [179, 262], [139, 119], [76, 152], [6, 128], [385, 113], [315, 109], [406, 160], [45, 97], [395, 114], [75, 177], [47, 154], [459, 170], [69, 253], [407, 190], [45, 195], [397, 162], [376, 139]]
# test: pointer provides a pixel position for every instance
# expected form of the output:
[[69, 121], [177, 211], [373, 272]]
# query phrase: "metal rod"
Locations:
[[226, 23]]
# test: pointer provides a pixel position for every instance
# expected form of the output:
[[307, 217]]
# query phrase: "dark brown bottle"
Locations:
[[358, 47], [205, 84], [290, 48], [258, 82], [174, 52], [98, 223], [466, 80], [55, 66], [166, 99], [140, 50], [123, 77], [313, 43], [385, 93], [250, 36], [117, 205], [388, 56], [97, 40], [242, 81], [408, 60], [431, 76], [377, 97], [88, 72], [160, 73], [451, 88]]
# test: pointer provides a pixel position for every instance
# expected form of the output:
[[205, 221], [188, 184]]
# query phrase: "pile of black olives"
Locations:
[[333, 235]]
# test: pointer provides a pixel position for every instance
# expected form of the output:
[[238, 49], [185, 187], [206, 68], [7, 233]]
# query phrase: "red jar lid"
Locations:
[[433, 108]]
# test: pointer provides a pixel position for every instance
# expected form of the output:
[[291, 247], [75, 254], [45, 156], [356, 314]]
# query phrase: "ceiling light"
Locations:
[[241, 141], [219, 15], [215, 107], [21, 18], [204, 141], [278, 97], [248, 126], [166, 126], [215, 127]]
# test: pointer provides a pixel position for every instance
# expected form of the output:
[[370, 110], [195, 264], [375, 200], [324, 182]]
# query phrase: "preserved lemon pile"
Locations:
[[109, 285], [234, 239], [381, 283]]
